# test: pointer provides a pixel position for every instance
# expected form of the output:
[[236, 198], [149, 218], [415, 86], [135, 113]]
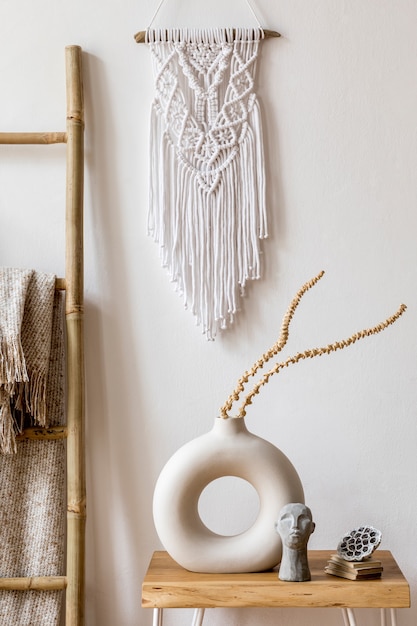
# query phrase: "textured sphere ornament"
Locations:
[[359, 543]]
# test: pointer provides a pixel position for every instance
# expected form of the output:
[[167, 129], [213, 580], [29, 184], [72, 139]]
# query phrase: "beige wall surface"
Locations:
[[338, 93]]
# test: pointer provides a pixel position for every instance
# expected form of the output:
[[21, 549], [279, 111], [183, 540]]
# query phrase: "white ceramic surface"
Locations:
[[229, 449]]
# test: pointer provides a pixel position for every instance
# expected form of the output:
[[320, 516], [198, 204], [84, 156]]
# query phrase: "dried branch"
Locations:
[[277, 347], [307, 354]]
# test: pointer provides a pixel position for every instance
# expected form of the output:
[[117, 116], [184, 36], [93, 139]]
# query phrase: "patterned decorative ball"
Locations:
[[359, 543]]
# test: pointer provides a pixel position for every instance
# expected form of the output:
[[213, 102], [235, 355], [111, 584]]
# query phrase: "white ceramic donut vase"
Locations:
[[229, 449]]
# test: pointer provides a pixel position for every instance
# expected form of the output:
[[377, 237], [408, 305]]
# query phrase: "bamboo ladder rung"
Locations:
[[34, 583], [35, 433], [32, 138]]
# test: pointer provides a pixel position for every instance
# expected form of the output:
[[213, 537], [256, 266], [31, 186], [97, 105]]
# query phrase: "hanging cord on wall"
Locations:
[[156, 13], [252, 10], [307, 354]]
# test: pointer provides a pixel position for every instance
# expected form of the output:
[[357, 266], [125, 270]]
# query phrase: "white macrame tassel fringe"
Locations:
[[209, 242]]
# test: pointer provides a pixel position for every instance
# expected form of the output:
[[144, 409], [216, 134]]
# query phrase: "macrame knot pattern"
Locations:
[[207, 190]]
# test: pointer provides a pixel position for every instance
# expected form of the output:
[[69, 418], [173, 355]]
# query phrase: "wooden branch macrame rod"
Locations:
[[140, 37], [74, 314], [32, 138], [33, 583]]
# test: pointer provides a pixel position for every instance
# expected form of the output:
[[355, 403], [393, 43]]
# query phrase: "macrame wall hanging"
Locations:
[[207, 185]]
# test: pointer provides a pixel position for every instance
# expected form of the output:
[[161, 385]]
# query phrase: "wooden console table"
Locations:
[[167, 585]]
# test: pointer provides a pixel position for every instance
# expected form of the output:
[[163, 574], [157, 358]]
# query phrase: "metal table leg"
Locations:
[[157, 617], [349, 617], [345, 617], [198, 617], [393, 616]]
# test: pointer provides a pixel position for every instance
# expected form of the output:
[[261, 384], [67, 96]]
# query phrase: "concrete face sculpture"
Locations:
[[295, 525]]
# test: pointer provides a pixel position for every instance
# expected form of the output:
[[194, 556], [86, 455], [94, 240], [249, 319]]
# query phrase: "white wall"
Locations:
[[339, 97]]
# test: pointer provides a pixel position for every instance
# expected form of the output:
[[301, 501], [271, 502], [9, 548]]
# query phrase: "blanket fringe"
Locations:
[[12, 362], [8, 428], [26, 323], [30, 398]]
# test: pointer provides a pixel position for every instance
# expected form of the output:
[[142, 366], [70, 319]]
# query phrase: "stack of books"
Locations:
[[354, 570]]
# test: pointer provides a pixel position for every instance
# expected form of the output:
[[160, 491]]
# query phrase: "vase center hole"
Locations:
[[228, 505]]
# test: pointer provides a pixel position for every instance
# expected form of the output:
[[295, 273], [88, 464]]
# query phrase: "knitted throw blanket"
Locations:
[[26, 308], [32, 479], [207, 190]]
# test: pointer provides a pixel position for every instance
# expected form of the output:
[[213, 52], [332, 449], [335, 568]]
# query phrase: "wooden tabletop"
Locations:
[[167, 585]]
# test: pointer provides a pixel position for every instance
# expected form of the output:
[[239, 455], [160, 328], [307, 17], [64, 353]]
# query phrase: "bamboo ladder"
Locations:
[[73, 284]]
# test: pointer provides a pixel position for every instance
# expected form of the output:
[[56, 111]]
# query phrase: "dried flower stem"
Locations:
[[277, 347], [307, 354]]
